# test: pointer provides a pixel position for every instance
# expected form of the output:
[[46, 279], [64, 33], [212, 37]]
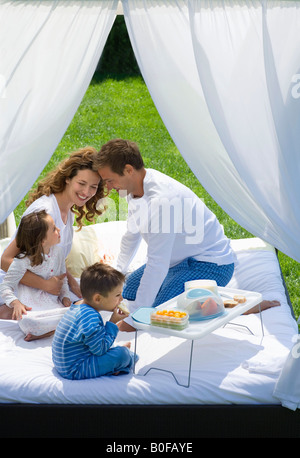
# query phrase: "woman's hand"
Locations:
[[73, 285], [54, 284], [75, 288], [66, 301]]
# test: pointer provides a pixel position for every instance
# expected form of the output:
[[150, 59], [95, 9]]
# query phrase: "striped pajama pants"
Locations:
[[173, 284]]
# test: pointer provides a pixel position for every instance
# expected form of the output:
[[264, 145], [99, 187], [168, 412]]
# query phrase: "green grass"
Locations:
[[122, 107]]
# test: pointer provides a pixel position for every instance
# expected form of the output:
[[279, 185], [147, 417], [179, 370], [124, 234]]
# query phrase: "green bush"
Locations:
[[118, 57]]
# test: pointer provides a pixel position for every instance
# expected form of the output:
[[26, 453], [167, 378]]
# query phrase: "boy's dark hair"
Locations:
[[116, 154], [30, 235], [99, 278]]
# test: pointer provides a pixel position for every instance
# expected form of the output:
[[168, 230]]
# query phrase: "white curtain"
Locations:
[[224, 75], [48, 53]]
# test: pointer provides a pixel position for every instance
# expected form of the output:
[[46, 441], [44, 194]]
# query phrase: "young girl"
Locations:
[[70, 191], [37, 238]]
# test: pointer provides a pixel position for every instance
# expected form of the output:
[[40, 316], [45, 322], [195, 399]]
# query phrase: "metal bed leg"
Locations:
[[134, 356], [246, 327], [165, 370]]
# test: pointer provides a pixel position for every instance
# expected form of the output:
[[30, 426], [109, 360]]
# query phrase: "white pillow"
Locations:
[[100, 242], [94, 243], [84, 251]]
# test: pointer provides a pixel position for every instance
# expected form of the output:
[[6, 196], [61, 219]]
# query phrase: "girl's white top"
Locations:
[[11, 288]]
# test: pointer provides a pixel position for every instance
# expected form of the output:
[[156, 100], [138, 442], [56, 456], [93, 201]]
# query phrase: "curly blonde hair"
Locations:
[[55, 182]]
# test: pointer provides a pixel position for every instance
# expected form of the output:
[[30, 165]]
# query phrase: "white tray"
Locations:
[[197, 329]]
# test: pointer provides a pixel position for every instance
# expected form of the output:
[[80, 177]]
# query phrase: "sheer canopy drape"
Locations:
[[48, 54], [224, 76]]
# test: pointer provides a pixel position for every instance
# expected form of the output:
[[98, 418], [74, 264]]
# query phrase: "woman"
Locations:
[[71, 191]]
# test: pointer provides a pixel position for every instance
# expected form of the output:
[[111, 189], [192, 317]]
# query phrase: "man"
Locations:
[[184, 238]]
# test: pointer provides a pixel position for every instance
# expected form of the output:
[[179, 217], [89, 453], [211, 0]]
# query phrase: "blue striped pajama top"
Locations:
[[80, 334]]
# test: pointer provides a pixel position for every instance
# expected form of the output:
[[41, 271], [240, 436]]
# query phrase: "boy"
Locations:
[[82, 344]]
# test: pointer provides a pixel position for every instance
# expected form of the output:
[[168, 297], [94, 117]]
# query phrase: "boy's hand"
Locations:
[[19, 309], [118, 315]]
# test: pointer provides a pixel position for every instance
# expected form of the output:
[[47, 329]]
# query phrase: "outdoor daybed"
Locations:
[[234, 375]]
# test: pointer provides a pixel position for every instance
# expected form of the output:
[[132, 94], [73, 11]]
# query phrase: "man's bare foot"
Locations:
[[31, 337], [5, 312], [125, 327], [264, 305]]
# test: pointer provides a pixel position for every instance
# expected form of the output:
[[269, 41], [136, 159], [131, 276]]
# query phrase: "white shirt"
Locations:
[[175, 224]]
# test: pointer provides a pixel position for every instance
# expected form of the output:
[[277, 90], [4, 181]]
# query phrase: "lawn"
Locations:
[[122, 107]]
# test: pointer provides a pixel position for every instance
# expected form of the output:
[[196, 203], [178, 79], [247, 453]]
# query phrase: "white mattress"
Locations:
[[230, 365]]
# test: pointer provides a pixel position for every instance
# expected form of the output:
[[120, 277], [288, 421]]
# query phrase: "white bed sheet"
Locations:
[[231, 365]]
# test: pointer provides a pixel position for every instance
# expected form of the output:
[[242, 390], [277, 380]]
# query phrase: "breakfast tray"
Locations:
[[197, 329]]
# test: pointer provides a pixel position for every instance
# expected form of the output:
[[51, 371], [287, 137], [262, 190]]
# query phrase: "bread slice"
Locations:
[[123, 308]]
